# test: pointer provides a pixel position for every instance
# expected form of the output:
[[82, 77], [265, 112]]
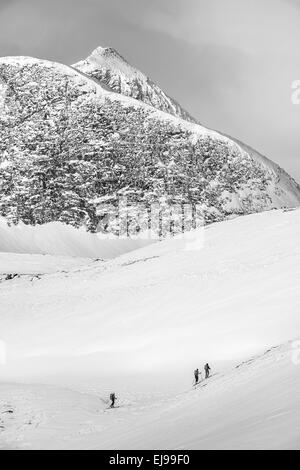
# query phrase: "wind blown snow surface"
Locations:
[[254, 406], [139, 325], [58, 239]]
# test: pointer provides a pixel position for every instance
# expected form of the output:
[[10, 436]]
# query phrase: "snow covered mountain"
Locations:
[[68, 143], [101, 314], [142, 316], [110, 69]]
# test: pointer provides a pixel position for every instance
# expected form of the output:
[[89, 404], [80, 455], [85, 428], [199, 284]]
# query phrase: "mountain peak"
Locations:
[[107, 52], [108, 57], [107, 66], [103, 54]]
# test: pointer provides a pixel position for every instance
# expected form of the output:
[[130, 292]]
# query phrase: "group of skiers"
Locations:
[[197, 373]]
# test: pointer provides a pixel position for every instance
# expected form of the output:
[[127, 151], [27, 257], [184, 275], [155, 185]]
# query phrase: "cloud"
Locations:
[[6, 3]]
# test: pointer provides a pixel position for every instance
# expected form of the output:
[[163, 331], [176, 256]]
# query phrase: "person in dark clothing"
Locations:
[[196, 374], [113, 399], [207, 370]]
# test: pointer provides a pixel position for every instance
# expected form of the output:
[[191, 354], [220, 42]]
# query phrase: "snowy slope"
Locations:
[[162, 306], [254, 406], [59, 239], [26, 264], [140, 324]]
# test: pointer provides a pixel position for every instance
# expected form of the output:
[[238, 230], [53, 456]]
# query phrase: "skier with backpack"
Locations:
[[196, 374], [113, 399], [207, 370]]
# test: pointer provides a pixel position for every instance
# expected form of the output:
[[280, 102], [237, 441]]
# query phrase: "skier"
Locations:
[[196, 374], [207, 370], [113, 399]]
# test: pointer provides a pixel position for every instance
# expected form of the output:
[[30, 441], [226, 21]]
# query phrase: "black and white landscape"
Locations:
[[136, 245]]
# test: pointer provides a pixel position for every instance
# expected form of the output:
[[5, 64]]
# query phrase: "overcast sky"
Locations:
[[230, 63]]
